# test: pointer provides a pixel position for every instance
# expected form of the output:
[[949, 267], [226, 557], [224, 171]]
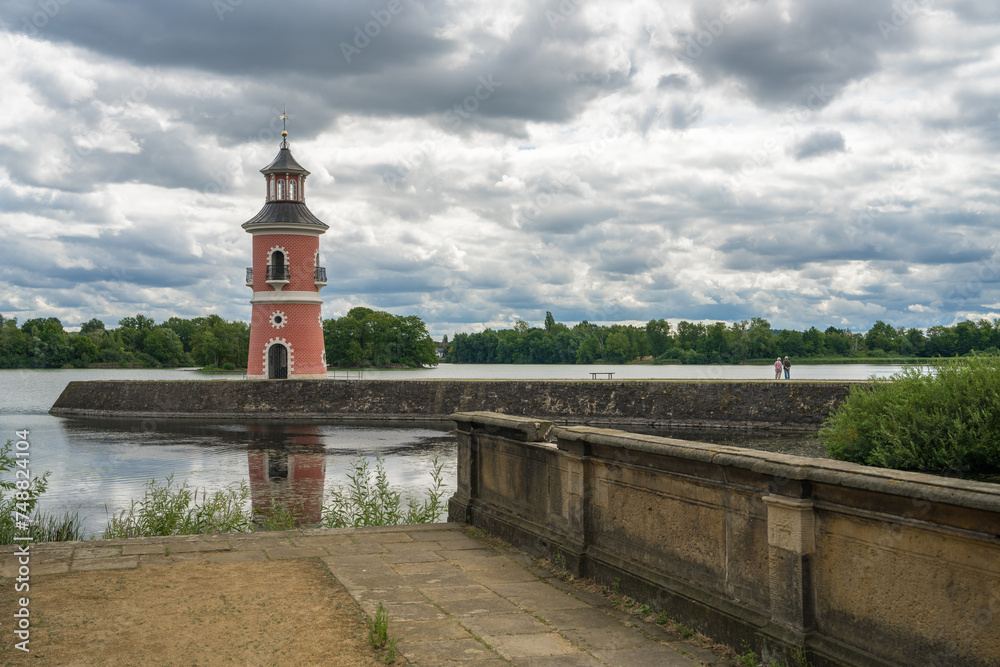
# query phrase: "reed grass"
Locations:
[[368, 499]]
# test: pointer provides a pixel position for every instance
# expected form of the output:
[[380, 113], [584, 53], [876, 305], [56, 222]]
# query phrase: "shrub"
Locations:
[[942, 418], [173, 510], [17, 504], [370, 502]]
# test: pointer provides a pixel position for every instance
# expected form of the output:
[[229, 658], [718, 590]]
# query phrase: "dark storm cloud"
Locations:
[[819, 143], [803, 57], [253, 39], [294, 53], [674, 82]]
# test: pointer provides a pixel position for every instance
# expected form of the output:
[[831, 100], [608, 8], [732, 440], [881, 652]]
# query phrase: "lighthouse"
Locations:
[[286, 325]]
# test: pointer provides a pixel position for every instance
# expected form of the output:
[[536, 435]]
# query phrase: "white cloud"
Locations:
[[603, 175]]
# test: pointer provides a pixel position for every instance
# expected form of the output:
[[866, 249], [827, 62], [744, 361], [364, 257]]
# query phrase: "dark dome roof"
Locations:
[[290, 212], [284, 163]]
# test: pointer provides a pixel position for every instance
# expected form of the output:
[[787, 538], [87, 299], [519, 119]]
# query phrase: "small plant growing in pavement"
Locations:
[[378, 628], [378, 634], [560, 564]]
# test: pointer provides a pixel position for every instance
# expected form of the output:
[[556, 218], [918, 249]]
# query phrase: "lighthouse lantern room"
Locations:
[[286, 326]]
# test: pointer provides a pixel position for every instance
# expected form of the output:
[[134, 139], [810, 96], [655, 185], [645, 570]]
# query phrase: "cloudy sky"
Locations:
[[815, 163]]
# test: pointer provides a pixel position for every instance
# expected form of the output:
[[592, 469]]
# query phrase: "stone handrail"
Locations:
[[860, 566]]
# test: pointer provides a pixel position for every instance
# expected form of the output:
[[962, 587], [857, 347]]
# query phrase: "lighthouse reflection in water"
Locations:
[[99, 466], [287, 479]]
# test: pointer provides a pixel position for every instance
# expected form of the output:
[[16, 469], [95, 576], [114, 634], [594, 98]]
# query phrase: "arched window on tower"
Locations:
[[276, 268], [281, 189], [272, 187], [291, 190]]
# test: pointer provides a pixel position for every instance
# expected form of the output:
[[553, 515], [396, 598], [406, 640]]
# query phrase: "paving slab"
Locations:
[[105, 563], [514, 647], [285, 553], [506, 624], [662, 656], [207, 545], [443, 652], [429, 631]]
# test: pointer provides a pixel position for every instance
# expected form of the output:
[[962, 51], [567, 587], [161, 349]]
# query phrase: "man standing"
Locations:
[[788, 368]]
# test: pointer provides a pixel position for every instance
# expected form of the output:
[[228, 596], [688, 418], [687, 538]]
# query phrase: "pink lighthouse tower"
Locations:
[[286, 327]]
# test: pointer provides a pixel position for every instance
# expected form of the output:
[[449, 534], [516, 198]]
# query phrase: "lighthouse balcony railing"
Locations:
[[278, 276], [276, 273], [249, 276], [320, 276]]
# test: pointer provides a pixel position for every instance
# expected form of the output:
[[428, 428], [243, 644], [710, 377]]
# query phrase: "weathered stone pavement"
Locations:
[[452, 598]]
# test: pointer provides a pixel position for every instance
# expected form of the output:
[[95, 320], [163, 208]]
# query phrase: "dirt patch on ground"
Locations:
[[256, 613]]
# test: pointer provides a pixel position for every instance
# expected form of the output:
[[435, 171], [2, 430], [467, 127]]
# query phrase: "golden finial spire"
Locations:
[[283, 117]]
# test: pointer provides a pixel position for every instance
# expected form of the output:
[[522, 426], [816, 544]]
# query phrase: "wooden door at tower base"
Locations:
[[277, 362]]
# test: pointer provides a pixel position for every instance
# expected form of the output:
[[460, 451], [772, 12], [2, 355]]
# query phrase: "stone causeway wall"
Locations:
[[857, 565], [733, 404]]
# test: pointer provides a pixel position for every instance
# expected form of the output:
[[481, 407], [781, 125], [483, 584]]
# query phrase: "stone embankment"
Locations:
[[732, 404]]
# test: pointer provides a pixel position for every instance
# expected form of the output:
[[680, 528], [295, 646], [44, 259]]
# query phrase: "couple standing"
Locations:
[[779, 365]]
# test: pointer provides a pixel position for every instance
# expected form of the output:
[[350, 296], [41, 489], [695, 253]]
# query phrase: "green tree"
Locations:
[[92, 325], [165, 346], [761, 341]]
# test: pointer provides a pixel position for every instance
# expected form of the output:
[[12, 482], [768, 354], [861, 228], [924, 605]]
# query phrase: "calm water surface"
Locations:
[[98, 466]]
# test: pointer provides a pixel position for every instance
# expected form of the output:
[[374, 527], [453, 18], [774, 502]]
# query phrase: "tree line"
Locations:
[[718, 343], [366, 337], [362, 337]]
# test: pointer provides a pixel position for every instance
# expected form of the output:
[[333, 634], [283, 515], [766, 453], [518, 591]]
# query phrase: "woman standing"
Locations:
[[777, 369]]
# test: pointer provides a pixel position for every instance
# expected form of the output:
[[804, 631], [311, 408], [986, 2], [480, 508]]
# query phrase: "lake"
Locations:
[[99, 466]]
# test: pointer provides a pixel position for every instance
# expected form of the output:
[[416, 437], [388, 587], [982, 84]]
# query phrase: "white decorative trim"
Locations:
[[284, 228], [278, 319], [291, 355], [286, 297], [274, 249]]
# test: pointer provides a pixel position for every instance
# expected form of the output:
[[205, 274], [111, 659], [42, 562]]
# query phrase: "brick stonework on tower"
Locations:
[[286, 326]]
